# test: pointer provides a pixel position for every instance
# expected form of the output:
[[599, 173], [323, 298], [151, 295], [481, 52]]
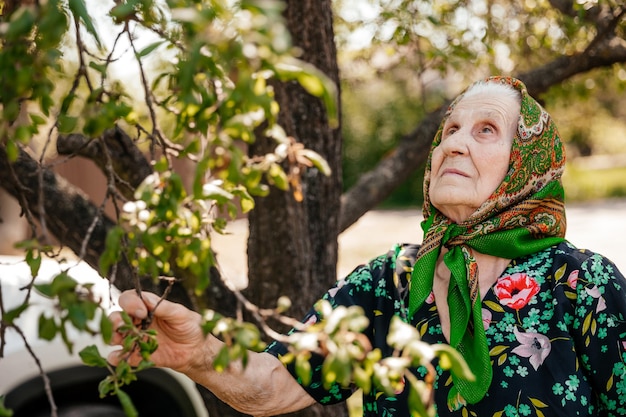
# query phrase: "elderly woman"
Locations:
[[541, 324]]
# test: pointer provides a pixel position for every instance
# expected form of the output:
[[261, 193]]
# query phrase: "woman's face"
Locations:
[[473, 156]]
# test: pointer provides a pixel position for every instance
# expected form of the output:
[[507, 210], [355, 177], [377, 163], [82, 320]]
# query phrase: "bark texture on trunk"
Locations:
[[303, 233]]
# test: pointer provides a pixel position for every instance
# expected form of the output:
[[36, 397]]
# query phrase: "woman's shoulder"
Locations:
[[584, 258], [564, 262], [562, 252], [400, 256], [382, 273]]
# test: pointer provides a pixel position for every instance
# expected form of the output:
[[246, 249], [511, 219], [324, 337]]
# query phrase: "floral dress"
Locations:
[[556, 329]]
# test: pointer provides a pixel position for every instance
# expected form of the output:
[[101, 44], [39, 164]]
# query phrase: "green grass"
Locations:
[[594, 184]]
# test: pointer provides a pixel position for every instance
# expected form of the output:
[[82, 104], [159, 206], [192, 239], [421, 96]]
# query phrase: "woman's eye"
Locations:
[[450, 131], [488, 129]]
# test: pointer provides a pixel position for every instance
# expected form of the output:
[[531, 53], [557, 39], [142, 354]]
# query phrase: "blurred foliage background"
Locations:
[[401, 59]]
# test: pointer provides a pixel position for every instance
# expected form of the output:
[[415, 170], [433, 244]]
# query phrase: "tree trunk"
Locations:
[[304, 233]]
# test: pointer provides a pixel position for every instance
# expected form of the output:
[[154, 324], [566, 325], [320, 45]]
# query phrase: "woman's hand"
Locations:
[[263, 388], [180, 338]]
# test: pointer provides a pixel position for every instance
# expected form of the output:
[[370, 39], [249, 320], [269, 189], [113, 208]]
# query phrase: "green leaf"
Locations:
[[247, 203], [144, 364], [36, 119], [66, 124], [248, 336], [20, 25], [123, 10], [416, 405], [106, 328], [11, 315], [215, 192], [161, 164], [45, 290], [306, 75], [65, 337], [362, 379], [106, 386], [112, 251], [127, 403], [245, 199], [4, 412], [67, 102], [145, 51], [78, 316], [79, 10], [222, 360], [63, 283], [303, 368], [124, 372], [336, 369], [317, 161], [47, 327], [46, 103], [23, 134], [33, 259], [278, 177], [90, 356], [313, 81], [101, 68], [12, 150], [450, 358]]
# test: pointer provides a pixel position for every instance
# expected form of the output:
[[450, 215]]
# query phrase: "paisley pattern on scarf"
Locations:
[[525, 214]]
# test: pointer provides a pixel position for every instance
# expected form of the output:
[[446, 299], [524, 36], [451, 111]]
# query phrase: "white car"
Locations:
[[157, 392]]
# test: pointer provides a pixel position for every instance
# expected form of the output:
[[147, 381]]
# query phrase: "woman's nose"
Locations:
[[456, 143]]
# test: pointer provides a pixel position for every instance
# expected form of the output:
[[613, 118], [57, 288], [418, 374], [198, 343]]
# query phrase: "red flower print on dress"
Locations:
[[516, 290]]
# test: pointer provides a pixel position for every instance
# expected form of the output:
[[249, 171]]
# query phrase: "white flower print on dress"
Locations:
[[595, 293], [534, 346]]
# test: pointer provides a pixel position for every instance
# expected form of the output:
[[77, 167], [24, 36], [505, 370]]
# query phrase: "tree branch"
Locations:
[[602, 52], [376, 185], [68, 213], [129, 167]]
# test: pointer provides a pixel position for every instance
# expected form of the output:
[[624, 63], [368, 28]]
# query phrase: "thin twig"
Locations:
[[42, 373]]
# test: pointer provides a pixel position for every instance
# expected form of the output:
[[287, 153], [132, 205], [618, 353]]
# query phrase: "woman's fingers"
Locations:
[[135, 306], [116, 356], [139, 306], [178, 328]]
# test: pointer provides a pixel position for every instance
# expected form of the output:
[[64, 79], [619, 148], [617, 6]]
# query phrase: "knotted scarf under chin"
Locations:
[[497, 236]]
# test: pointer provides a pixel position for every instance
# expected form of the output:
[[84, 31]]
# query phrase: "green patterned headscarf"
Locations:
[[525, 214]]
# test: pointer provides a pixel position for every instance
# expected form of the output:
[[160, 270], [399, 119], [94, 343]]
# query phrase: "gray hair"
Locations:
[[494, 88]]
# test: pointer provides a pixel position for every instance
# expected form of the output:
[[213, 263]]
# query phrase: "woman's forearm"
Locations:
[[263, 388]]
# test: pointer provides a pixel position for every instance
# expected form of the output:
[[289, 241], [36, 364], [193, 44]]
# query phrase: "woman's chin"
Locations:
[[456, 212]]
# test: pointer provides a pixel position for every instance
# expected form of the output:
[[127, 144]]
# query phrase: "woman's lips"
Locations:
[[453, 171]]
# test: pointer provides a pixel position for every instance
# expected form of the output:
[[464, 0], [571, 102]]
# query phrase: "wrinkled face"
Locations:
[[473, 157]]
